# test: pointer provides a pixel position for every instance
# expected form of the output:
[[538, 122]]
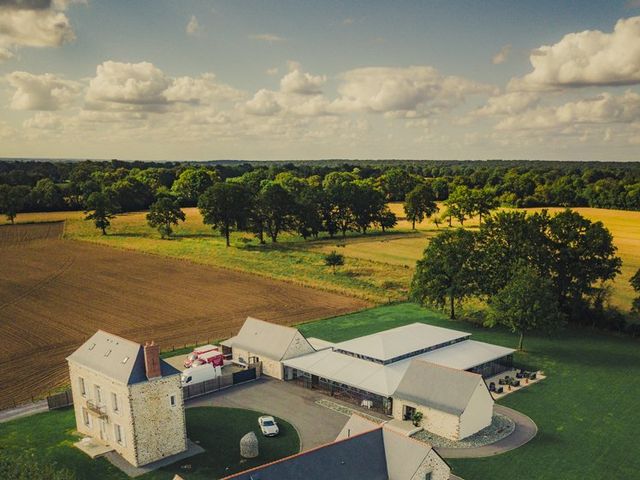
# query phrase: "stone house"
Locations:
[[454, 403], [269, 343], [127, 398]]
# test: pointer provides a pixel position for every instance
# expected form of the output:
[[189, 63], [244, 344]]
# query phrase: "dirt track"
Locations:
[[54, 293]]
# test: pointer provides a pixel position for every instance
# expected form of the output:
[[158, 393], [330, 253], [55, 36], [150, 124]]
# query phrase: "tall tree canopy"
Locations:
[[164, 213], [635, 284], [225, 206], [420, 203], [527, 302], [192, 183], [445, 273], [100, 208]]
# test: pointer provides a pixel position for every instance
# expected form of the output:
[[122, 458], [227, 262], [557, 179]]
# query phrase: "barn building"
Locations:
[[455, 404], [127, 398], [269, 343]]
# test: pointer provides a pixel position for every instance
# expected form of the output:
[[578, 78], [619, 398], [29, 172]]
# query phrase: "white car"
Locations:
[[268, 426]]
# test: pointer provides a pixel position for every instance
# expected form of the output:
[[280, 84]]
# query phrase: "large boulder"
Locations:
[[249, 445]]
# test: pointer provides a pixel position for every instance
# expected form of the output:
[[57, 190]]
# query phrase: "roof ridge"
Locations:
[[446, 367], [114, 335], [300, 454]]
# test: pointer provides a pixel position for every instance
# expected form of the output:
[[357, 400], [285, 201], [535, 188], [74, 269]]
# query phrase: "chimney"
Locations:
[[152, 360]]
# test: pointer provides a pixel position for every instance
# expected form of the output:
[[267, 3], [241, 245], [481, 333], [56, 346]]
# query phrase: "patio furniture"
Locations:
[[500, 390], [515, 383], [532, 376], [492, 386]]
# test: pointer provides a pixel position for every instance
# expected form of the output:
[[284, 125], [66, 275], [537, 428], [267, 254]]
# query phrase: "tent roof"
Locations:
[[390, 344]]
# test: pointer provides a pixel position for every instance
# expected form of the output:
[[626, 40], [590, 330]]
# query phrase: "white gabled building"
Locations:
[[127, 398], [455, 404], [269, 343]]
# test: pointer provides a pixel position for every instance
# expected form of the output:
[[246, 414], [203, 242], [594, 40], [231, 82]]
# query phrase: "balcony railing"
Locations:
[[97, 409]]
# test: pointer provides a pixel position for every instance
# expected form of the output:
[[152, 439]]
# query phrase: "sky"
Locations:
[[207, 80]]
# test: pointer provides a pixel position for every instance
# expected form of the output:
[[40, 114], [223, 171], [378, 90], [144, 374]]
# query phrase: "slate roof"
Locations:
[[117, 358], [442, 388], [358, 457], [263, 338]]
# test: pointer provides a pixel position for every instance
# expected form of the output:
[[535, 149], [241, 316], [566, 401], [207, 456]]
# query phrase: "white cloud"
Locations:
[[193, 27], [263, 103], [502, 56], [403, 92], [587, 58], [508, 104], [267, 37], [33, 24], [203, 89], [300, 82], [41, 92], [603, 109]]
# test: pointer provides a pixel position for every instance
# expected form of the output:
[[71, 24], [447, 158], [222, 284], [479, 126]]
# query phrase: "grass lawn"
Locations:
[[586, 410], [378, 267], [49, 437]]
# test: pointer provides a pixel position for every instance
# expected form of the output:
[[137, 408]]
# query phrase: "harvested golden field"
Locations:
[[54, 293]]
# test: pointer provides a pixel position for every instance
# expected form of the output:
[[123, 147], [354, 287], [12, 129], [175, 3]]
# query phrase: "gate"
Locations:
[[244, 376]]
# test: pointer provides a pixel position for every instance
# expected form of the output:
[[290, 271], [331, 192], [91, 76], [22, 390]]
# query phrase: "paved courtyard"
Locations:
[[316, 425]]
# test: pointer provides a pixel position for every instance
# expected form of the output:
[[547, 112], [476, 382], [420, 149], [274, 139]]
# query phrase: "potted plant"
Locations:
[[417, 418]]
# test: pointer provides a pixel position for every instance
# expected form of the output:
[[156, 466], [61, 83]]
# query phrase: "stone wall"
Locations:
[[435, 421], [103, 429], [434, 465], [159, 427], [270, 367]]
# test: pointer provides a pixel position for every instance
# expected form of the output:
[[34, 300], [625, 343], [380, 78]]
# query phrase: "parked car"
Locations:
[[200, 373], [268, 426]]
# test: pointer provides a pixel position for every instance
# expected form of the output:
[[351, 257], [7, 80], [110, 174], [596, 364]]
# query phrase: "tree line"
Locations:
[[27, 186]]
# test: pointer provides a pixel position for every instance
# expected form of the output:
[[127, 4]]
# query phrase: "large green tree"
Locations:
[[445, 273], [100, 208], [276, 207], [12, 199], [635, 284], [192, 183], [420, 203], [164, 213], [225, 206], [527, 302]]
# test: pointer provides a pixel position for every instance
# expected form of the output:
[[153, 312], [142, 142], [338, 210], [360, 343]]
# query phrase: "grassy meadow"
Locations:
[[378, 266], [586, 408]]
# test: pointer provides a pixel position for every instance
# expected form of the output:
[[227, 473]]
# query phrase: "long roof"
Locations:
[[264, 338], [117, 358], [396, 342], [384, 379], [360, 456], [442, 388]]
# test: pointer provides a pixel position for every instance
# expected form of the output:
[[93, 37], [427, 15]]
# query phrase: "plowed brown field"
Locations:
[[54, 293]]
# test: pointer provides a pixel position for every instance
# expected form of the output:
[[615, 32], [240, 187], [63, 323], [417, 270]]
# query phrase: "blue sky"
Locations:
[[282, 79]]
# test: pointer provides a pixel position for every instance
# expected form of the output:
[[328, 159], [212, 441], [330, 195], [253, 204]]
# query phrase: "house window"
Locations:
[[172, 400], [83, 390], [114, 403], [85, 417], [427, 476], [117, 430], [98, 394]]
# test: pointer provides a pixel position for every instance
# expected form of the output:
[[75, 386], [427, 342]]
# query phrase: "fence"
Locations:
[[223, 381], [60, 400]]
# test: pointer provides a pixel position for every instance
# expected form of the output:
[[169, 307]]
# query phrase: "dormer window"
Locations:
[[92, 346], [124, 360], [107, 353]]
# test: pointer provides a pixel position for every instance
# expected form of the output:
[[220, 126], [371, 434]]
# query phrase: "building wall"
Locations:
[[435, 465], [159, 428], [298, 346], [121, 417], [435, 421], [478, 413], [270, 367]]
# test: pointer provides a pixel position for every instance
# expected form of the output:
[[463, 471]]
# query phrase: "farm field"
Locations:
[[585, 409], [54, 293]]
